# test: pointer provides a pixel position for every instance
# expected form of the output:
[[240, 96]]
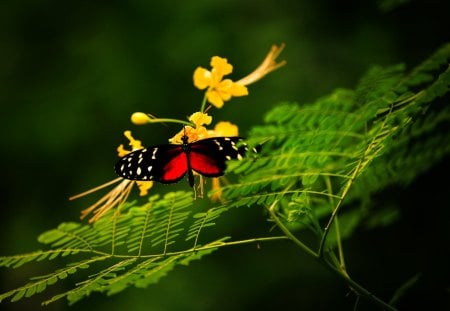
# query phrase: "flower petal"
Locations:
[[225, 128], [200, 119], [121, 151], [238, 90], [144, 186], [221, 65], [193, 134], [134, 143], [202, 78], [215, 98]]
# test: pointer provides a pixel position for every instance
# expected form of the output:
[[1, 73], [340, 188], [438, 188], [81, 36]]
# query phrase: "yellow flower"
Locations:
[[134, 143], [218, 90], [199, 131], [144, 186], [193, 134], [199, 119], [119, 194], [140, 118]]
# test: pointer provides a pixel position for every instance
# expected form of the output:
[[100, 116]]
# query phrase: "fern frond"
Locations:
[[18, 260], [203, 220], [39, 284], [133, 256], [95, 283], [388, 130], [158, 222], [125, 272]]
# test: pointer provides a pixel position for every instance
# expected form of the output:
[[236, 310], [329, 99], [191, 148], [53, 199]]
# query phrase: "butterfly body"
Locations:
[[169, 163]]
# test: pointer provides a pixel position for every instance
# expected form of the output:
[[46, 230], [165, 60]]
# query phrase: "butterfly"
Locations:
[[168, 163]]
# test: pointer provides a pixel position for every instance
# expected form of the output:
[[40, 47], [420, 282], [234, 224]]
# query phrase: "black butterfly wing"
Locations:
[[208, 156], [163, 163]]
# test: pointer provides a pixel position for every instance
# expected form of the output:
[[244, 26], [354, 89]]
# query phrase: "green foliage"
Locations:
[[133, 247], [318, 161], [363, 139]]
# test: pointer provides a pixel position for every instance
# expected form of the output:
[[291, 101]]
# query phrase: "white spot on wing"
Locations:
[[138, 171], [154, 153], [218, 144], [149, 168]]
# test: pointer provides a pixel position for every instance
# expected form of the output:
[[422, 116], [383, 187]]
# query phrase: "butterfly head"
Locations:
[[185, 139]]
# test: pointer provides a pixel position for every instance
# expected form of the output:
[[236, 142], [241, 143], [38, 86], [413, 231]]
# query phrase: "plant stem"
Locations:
[[339, 270], [338, 206], [202, 109], [336, 225], [169, 120], [360, 290], [288, 232]]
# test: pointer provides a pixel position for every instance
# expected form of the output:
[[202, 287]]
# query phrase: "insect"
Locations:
[[168, 163]]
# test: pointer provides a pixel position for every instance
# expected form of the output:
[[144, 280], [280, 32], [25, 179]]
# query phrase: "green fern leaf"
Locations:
[[358, 140], [203, 220], [39, 284]]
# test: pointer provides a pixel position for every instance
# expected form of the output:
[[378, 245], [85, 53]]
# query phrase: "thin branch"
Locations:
[[215, 244], [347, 187], [336, 226], [286, 231]]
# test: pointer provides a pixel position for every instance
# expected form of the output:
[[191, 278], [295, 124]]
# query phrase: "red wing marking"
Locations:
[[206, 165], [175, 168]]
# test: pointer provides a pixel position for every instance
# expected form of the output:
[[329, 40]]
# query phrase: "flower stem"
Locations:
[[202, 109], [168, 120]]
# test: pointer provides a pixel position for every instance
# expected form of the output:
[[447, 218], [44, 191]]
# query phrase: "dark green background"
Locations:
[[72, 72]]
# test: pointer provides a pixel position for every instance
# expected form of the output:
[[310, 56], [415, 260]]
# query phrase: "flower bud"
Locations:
[[140, 118]]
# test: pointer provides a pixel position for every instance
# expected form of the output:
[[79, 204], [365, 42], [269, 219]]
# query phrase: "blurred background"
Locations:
[[72, 72]]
